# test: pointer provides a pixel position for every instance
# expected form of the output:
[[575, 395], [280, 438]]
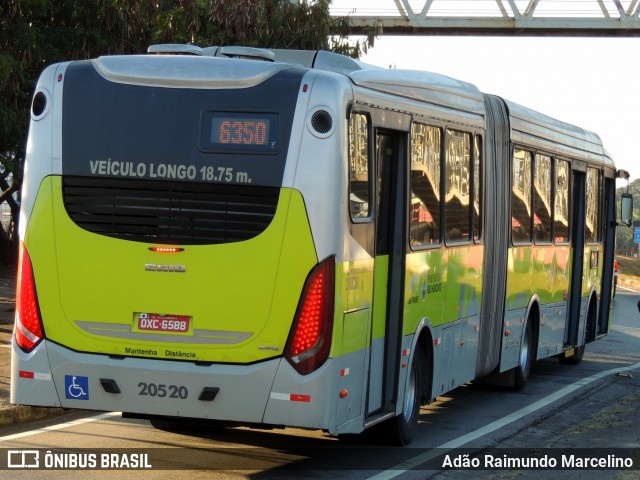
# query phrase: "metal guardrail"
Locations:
[[492, 17]]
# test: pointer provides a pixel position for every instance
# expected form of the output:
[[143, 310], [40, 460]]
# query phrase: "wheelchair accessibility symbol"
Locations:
[[76, 387]]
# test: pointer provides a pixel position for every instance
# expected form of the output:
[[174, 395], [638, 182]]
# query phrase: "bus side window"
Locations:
[[592, 206], [359, 167], [521, 197], [458, 187], [477, 189], [542, 199], [561, 207], [425, 207]]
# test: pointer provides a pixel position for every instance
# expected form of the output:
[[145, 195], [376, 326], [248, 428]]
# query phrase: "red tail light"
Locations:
[[28, 327], [310, 338]]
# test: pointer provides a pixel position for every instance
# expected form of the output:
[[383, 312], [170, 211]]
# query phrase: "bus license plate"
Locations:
[[158, 322]]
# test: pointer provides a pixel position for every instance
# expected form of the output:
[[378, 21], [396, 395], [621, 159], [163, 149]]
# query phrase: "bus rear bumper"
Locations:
[[139, 385], [269, 392]]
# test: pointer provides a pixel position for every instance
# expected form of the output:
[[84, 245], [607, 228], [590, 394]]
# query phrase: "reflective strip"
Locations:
[[295, 397], [34, 375], [290, 397]]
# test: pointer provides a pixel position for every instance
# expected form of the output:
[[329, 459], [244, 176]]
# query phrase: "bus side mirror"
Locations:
[[626, 210]]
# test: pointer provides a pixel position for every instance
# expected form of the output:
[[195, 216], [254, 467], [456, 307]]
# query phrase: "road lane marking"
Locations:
[[414, 462], [60, 426], [628, 289]]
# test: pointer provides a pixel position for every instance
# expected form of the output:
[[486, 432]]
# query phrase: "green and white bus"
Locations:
[[295, 238]]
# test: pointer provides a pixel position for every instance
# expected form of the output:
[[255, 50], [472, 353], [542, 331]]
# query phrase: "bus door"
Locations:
[[388, 292], [608, 256], [577, 259]]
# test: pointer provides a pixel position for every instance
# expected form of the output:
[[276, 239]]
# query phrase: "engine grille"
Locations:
[[178, 213]]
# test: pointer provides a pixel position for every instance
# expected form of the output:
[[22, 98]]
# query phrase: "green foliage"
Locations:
[[36, 33], [629, 266]]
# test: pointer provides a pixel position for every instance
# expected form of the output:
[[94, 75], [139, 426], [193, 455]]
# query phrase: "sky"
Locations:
[[590, 82]]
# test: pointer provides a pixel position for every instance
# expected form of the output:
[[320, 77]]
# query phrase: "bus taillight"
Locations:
[[28, 327], [310, 338]]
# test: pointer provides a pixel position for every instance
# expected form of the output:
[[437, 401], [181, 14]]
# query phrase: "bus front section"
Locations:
[[168, 265]]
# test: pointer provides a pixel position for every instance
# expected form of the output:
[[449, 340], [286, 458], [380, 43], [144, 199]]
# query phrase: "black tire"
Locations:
[[525, 361], [399, 431]]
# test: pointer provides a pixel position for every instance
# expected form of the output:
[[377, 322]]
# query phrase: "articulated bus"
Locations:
[[293, 238]]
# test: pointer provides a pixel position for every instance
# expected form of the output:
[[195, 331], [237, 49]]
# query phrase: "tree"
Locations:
[[36, 33]]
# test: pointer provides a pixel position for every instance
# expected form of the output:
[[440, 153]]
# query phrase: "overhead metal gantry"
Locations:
[[492, 17]]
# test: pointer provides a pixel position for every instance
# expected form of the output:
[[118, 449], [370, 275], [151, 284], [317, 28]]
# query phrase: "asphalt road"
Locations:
[[594, 404]]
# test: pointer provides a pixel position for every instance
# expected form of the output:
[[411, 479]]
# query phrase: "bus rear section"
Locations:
[[164, 266]]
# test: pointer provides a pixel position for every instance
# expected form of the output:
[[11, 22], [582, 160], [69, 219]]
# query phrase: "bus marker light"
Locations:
[[404, 364], [166, 249], [437, 341], [344, 372], [344, 393], [24, 374], [507, 333], [406, 352]]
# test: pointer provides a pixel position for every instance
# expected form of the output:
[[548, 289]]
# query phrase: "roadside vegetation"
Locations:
[[629, 271], [629, 266], [36, 33]]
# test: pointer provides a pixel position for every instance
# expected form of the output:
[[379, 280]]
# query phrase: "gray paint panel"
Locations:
[[232, 402]]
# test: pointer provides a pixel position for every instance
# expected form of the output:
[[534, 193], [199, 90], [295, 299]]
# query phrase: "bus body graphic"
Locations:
[[306, 242]]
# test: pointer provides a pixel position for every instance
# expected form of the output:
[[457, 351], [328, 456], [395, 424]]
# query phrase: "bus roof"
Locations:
[[528, 127], [423, 86], [536, 129]]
